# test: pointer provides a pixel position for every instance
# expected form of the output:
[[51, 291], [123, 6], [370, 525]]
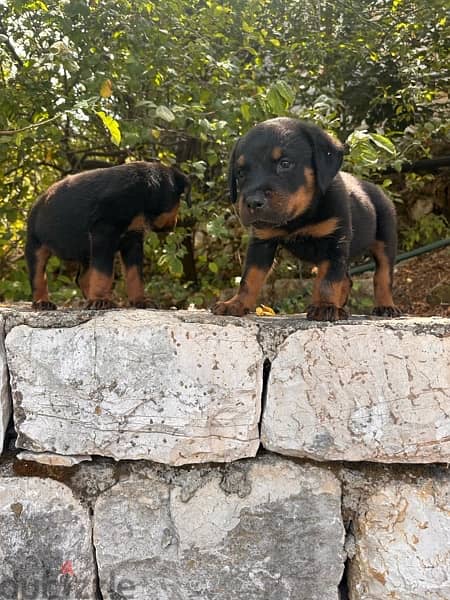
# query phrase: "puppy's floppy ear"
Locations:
[[232, 185], [328, 154]]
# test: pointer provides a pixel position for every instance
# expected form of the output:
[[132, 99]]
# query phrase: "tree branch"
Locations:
[[32, 126]]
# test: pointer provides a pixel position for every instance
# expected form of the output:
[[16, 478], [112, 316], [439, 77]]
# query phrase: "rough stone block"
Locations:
[[376, 391], [402, 542], [265, 528], [170, 387], [53, 460], [5, 400], [45, 542]]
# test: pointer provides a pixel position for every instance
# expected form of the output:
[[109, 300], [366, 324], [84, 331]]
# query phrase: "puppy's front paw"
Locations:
[[326, 312], [43, 305], [100, 304], [387, 311], [233, 307]]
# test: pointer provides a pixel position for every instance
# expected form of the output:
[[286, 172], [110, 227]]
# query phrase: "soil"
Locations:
[[422, 284]]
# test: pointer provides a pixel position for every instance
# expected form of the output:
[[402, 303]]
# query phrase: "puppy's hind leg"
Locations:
[[37, 256], [132, 255], [98, 279], [82, 279], [384, 251]]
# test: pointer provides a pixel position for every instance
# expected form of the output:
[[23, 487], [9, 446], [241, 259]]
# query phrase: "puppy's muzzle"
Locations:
[[257, 200]]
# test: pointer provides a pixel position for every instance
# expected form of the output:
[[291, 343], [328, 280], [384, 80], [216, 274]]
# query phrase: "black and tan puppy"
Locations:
[[284, 176], [88, 217]]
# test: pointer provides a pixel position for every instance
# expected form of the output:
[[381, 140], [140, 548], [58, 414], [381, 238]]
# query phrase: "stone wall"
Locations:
[[176, 455]]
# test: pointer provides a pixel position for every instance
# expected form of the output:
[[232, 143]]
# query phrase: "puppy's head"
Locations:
[[278, 168], [173, 183]]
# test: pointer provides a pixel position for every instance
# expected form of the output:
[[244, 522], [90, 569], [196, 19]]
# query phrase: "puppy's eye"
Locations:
[[284, 164], [240, 173]]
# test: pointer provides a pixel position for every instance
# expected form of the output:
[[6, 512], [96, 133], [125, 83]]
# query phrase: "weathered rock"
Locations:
[[266, 528], [5, 400], [402, 542], [45, 542], [377, 391], [139, 384], [53, 460]]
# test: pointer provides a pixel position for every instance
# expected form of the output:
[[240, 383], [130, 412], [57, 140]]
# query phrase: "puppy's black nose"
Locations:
[[256, 201]]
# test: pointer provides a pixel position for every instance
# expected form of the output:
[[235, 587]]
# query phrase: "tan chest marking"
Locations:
[[139, 223], [315, 230]]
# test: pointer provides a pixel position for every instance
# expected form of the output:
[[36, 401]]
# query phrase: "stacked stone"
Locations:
[[320, 443]]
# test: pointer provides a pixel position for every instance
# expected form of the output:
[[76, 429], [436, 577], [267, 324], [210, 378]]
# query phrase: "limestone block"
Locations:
[[138, 384], [5, 400], [53, 460], [402, 543], [265, 528], [45, 541], [376, 391]]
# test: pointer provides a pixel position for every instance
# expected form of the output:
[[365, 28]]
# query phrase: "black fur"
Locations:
[[88, 217], [284, 177]]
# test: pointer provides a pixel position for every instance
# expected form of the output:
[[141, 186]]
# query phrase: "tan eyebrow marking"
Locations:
[[277, 152]]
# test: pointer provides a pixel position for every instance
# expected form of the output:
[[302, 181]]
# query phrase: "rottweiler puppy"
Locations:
[[88, 217], [284, 176]]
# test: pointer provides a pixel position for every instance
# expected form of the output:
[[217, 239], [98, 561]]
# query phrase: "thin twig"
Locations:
[[32, 126]]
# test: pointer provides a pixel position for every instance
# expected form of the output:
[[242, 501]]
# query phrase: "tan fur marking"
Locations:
[[277, 153], [139, 223], [254, 280], [166, 220], [325, 292], [268, 233], [250, 288], [317, 230], [99, 286], [382, 279], [331, 293], [83, 282], [241, 161], [345, 292], [40, 288], [322, 270], [299, 201], [135, 287]]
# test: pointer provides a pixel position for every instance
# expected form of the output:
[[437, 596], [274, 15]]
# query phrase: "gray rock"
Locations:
[[5, 399], [45, 542], [267, 528], [377, 391], [402, 542], [170, 387]]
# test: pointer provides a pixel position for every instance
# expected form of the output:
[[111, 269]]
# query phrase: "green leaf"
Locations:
[[286, 92], [175, 266], [245, 111], [384, 143], [163, 112], [111, 125], [280, 97], [275, 101], [213, 267]]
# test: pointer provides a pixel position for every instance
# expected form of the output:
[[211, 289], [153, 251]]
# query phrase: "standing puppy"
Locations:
[[284, 176], [90, 216]]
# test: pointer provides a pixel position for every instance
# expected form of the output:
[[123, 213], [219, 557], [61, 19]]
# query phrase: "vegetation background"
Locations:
[[89, 83]]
